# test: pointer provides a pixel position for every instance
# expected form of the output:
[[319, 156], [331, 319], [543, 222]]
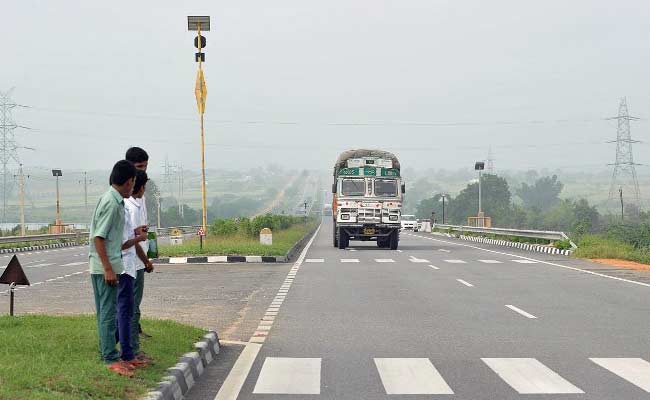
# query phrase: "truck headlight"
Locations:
[[345, 216], [392, 218]]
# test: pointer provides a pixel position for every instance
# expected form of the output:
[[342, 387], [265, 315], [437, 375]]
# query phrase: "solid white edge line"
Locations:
[[231, 387], [465, 283], [539, 261], [239, 372], [520, 311]]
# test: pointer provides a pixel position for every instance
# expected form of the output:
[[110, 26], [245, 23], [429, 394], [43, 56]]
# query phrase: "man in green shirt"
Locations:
[[106, 233]]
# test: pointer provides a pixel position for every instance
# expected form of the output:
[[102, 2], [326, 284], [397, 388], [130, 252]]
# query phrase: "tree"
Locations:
[[496, 201], [426, 206], [543, 195]]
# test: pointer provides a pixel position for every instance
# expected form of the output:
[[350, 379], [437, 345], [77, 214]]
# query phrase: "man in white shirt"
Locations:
[[140, 160], [137, 214], [132, 235]]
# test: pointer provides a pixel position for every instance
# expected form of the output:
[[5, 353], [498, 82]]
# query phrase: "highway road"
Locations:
[[445, 319], [44, 266]]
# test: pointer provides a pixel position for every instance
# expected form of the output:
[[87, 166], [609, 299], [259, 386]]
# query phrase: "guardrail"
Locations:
[[183, 229], [526, 233], [42, 238]]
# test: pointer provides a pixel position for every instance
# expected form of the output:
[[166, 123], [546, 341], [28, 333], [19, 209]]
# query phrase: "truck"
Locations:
[[368, 193]]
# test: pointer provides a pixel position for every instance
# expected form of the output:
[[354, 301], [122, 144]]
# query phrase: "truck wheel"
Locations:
[[394, 240], [344, 239], [335, 239], [382, 243]]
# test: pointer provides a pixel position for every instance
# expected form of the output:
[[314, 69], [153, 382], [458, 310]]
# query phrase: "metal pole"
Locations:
[[58, 210], [620, 193], [203, 195], [443, 209], [479, 193], [158, 203], [11, 299], [86, 192], [22, 201]]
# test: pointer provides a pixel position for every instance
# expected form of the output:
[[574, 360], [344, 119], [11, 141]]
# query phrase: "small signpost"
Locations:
[[200, 233], [266, 237], [13, 275]]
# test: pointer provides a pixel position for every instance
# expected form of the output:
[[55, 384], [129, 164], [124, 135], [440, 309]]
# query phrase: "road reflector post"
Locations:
[[13, 275], [266, 237]]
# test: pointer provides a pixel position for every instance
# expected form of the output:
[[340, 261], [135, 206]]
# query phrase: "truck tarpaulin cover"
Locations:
[[341, 162]]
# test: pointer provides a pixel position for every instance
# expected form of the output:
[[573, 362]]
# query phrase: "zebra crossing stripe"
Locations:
[[490, 261], [289, 376], [455, 261], [634, 370], [349, 260], [410, 376], [529, 376]]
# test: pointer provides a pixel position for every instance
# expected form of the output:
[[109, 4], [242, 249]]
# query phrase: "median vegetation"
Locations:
[[619, 241], [56, 358], [240, 236]]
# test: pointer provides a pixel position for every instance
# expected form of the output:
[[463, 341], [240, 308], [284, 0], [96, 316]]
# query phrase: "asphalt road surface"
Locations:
[[44, 266], [445, 319]]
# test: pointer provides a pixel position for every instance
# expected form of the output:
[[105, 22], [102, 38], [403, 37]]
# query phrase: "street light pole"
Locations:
[[480, 166], [443, 209], [57, 222], [198, 23]]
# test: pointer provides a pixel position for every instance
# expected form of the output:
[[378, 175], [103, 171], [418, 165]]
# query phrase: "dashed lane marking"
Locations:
[[384, 260], [520, 311], [314, 260], [490, 261], [349, 260], [465, 283], [433, 266], [525, 261], [455, 261]]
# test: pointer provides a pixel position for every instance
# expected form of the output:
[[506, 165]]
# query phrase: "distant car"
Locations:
[[418, 225], [409, 222]]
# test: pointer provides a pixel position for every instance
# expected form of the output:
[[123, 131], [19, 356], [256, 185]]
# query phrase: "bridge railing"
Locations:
[[524, 233]]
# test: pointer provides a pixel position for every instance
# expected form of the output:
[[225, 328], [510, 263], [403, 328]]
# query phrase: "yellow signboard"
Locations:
[[200, 91]]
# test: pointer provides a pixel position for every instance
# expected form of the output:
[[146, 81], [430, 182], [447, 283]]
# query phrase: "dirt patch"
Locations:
[[622, 263]]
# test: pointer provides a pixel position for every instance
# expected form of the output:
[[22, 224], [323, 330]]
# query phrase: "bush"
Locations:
[[562, 244], [252, 227]]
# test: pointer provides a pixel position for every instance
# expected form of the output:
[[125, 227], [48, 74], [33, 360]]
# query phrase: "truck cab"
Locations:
[[368, 195]]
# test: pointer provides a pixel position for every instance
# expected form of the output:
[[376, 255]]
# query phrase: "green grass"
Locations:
[[46, 357], [600, 246], [239, 244]]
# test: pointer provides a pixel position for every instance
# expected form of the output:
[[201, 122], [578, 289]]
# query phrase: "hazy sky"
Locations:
[[296, 82]]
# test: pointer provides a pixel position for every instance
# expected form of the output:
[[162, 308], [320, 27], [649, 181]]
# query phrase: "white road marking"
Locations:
[[529, 376], [39, 265], [289, 376], [349, 260], [418, 260], [399, 251], [634, 370], [525, 261], [433, 266], [352, 249], [75, 263], [491, 261], [465, 283], [445, 250], [520, 311], [539, 261], [410, 376], [455, 261], [384, 260], [237, 375], [314, 260]]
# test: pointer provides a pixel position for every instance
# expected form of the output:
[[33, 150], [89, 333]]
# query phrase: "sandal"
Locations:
[[120, 369]]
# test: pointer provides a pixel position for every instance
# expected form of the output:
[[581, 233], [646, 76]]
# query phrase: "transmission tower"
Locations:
[[624, 176], [8, 147], [490, 161]]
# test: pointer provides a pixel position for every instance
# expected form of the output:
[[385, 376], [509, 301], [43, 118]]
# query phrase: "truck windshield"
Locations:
[[353, 187], [385, 188]]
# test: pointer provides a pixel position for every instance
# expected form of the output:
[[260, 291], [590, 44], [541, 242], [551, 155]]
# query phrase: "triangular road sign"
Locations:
[[14, 273]]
